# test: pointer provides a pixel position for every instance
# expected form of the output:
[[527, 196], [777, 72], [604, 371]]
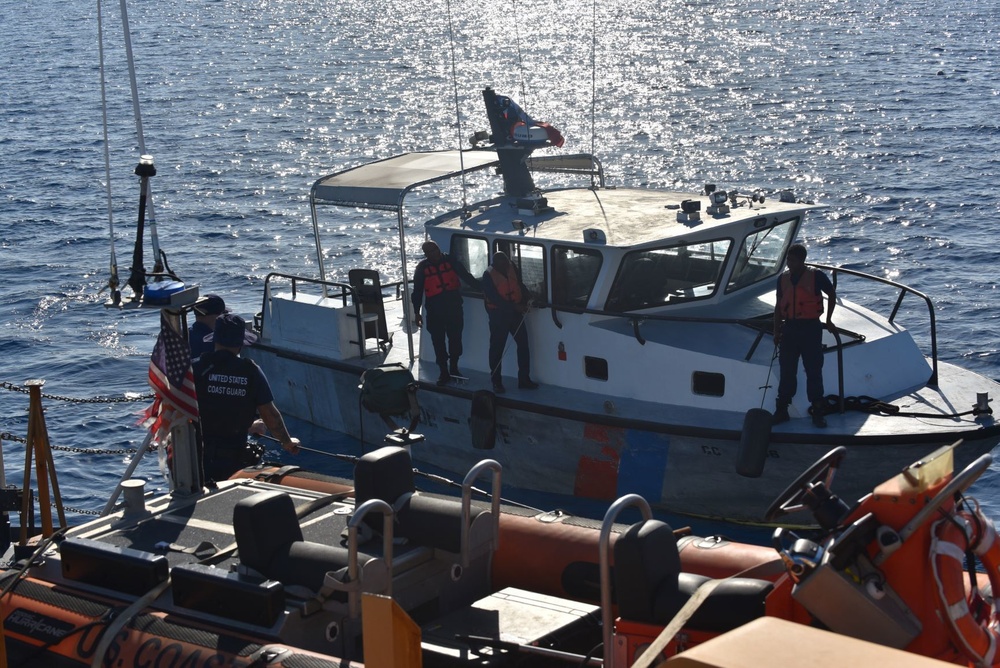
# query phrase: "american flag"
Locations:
[[172, 380]]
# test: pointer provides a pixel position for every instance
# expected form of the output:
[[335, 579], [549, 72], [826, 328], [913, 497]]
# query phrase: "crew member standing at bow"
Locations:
[[232, 391], [506, 300], [437, 278], [799, 333]]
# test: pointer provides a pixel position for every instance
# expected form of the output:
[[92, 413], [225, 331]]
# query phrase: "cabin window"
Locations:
[[530, 262], [574, 273], [709, 384], [761, 254], [474, 255], [672, 275], [595, 367]]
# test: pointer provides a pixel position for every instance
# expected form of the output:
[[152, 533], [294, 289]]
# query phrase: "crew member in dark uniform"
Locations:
[[506, 300], [437, 278], [799, 333], [232, 391], [206, 310]]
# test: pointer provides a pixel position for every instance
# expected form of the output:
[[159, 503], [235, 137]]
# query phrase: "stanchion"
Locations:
[[37, 446]]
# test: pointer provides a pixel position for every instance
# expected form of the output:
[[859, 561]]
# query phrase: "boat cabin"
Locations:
[[625, 250]]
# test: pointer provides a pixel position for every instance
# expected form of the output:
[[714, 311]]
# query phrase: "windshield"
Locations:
[[662, 276], [760, 255]]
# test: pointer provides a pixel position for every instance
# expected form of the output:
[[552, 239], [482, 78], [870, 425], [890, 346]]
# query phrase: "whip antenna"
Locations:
[[593, 84], [520, 57], [458, 111]]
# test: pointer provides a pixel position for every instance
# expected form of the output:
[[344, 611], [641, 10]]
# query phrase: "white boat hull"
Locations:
[[544, 444]]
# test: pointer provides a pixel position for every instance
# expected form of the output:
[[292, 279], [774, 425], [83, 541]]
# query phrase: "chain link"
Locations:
[[76, 400], [78, 511], [7, 436]]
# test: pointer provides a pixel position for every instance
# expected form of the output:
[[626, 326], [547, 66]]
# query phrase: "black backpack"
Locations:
[[389, 390]]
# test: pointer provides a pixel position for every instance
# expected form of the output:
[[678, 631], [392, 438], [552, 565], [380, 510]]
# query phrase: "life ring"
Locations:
[[976, 634]]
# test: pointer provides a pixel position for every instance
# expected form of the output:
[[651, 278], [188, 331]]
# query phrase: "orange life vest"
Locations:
[[439, 278], [800, 301], [508, 287]]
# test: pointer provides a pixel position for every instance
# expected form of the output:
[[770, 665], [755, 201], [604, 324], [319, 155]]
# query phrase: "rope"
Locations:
[[831, 404], [767, 382], [140, 135], [113, 281], [506, 345], [127, 398]]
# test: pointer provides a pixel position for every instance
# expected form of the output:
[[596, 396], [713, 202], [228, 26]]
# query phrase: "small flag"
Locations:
[[172, 380]]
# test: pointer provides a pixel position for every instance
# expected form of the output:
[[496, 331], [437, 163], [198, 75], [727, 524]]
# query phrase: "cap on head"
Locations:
[[231, 331], [210, 305]]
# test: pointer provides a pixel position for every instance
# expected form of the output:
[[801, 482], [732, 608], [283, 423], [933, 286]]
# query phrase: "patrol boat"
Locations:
[[650, 334]]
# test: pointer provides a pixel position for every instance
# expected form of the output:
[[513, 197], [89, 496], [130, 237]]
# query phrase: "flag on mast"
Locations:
[[172, 380]]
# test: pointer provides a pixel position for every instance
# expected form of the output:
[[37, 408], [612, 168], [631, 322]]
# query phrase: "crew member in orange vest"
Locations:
[[799, 333], [437, 279], [506, 301]]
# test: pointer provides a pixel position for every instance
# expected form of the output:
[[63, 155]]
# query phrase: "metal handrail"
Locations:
[[903, 291], [604, 547], [371, 505], [342, 291], [467, 486]]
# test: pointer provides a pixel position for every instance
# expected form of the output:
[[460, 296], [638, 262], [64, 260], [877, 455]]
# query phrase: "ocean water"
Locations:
[[886, 111]]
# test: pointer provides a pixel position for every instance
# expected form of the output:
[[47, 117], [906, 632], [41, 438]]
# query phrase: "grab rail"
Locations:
[[636, 319], [467, 483], [903, 291], [341, 291], [604, 547], [369, 506]]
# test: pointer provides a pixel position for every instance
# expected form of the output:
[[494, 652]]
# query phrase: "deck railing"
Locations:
[[903, 290], [763, 323], [345, 292]]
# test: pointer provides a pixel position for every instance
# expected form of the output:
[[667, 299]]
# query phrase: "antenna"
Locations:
[[593, 85], [458, 111]]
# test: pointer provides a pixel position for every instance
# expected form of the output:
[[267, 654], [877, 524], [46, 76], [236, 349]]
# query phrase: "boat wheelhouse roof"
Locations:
[[619, 217], [384, 184]]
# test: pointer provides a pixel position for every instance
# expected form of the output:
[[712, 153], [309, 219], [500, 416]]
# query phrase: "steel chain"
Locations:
[[93, 400], [7, 436], [79, 511]]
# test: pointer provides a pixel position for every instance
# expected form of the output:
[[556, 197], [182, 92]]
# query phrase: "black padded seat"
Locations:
[[387, 474], [368, 293], [650, 587], [270, 541]]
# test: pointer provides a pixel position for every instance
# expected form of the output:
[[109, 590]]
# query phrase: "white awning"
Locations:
[[383, 184]]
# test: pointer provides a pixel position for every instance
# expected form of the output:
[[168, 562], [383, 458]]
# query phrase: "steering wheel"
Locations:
[[791, 500]]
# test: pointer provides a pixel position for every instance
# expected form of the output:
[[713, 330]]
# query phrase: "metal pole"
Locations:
[[128, 473], [186, 463]]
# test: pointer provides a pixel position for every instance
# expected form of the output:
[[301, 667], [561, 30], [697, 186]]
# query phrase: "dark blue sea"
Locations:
[[887, 111]]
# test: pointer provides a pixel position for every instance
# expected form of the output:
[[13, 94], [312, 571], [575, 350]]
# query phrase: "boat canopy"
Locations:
[[383, 184]]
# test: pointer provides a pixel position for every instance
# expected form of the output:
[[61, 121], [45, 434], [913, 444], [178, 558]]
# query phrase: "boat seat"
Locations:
[[270, 542], [367, 287], [650, 587], [387, 474]]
